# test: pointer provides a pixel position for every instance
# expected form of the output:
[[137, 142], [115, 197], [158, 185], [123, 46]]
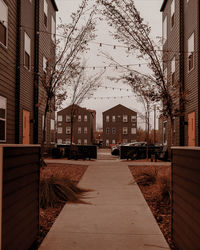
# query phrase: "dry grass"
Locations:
[[157, 192]]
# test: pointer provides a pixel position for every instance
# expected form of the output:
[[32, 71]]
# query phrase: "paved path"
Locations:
[[118, 217]]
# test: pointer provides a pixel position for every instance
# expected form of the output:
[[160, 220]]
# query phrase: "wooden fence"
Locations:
[[186, 197], [19, 196]]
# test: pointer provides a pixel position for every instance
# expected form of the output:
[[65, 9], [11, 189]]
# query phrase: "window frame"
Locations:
[[125, 116], [113, 131], [125, 129], [79, 130], [68, 130], [85, 142], [172, 10], [79, 118], [191, 53], [107, 118], [60, 116], [5, 25], [68, 118], [107, 142], [113, 118], [164, 30], [60, 130], [107, 131], [85, 118], [134, 130], [52, 125], [79, 142], [133, 118], [53, 30], [45, 14], [27, 52], [85, 130], [4, 106], [173, 70]]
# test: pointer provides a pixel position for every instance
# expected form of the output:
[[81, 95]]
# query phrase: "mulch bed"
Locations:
[[48, 215], [160, 209]]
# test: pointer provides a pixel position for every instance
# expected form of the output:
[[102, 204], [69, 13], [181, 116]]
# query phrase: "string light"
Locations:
[[101, 44]]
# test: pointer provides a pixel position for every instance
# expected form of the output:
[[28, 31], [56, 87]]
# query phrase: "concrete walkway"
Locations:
[[118, 217]]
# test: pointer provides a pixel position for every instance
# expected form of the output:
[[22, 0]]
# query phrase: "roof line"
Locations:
[[163, 5], [54, 5]]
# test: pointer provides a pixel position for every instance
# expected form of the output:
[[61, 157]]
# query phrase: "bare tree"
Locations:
[[130, 29], [82, 87], [62, 67]]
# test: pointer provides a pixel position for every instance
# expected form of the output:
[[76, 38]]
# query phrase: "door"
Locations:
[[26, 127], [191, 129]]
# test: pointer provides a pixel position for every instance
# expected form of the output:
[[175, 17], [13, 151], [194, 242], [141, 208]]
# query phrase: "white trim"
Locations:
[[6, 24], [4, 105]]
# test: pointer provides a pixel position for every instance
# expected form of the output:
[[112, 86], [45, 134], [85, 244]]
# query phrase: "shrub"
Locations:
[[165, 189], [147, 178], [55, 190]]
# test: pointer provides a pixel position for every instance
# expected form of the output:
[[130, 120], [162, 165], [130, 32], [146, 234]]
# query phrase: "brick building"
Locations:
[[80, 129], [181, 41], [25, 39], [119, 125]]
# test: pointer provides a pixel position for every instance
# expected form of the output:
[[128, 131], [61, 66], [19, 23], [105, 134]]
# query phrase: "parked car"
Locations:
[[115, 149], [138, 151]]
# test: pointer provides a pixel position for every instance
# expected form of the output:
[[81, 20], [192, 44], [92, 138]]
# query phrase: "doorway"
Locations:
[[26, 127], [191, 129]]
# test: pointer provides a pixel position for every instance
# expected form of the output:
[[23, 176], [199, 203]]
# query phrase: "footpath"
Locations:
[[116, 218]]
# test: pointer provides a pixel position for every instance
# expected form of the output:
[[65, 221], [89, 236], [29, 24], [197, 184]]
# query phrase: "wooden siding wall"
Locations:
[[186, 197], [8, 71], [20, 211]]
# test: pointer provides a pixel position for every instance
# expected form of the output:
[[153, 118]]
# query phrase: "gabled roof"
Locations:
[[117, 106], [163, 5], [54, 5]]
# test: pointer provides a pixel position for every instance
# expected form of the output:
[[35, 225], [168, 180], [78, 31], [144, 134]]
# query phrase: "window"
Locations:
[[60, 118], [173, 65], [79, 130], [79, 118], [68, 118], [3, 23], [68, 141], [113, 141], [114, 130], [85, 141], [113, 118], [68, 130], [164, 30], [59, 141], [125, 118], [165, 132], [2, 119], [172, 13], [85, 118], [107, 130], [191, 52], [125, 130], [125, 141], [60, 130], [165, 74], [85, 130], [107, 118], [45, 64], [52, 124], [133, 118], [107, 143], [45, 13], [27, 51], [53, 30], [79, 141], [133, 131]]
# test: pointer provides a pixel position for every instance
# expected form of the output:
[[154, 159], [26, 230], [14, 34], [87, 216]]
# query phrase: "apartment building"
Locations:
[[181, 63], [77, 125], [25, 39], [119, 125]]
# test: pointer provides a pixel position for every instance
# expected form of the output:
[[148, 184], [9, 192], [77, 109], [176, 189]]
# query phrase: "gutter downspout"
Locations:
[[17, 84], [198, 9], [181, 72], [36, 73]]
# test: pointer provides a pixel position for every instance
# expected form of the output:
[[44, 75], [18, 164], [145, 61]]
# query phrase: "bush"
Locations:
[[165, 189], [55, 190], [147, 178]]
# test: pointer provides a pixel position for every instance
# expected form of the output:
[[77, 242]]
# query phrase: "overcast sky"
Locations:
[[106, 98]]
